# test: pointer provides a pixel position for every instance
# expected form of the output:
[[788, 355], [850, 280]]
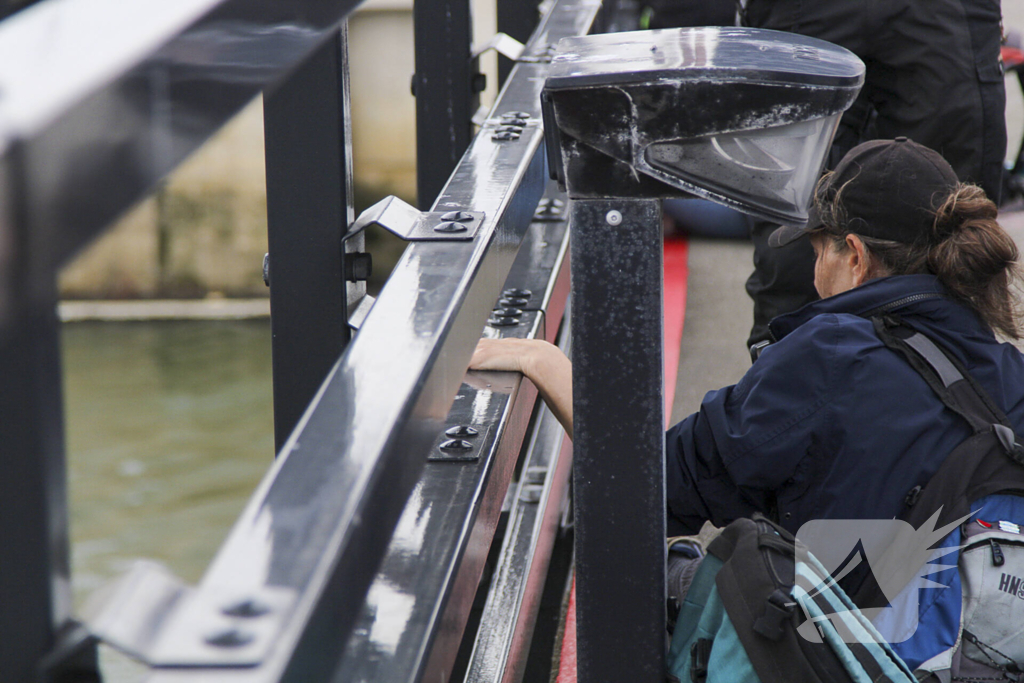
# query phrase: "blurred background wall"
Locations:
[[204, 231]]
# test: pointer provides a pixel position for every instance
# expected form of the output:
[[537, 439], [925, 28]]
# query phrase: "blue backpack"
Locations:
[[979, 490]]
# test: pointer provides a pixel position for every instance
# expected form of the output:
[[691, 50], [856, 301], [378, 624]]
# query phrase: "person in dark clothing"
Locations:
[[933, 74], [830, 423], [678, 14]]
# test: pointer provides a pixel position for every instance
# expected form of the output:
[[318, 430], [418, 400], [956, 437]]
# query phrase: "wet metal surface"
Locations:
[[98, 100], [503, 637], [101, 98], [311, 538], [411, 225], [412, 625], [619, 440], [321, 520]]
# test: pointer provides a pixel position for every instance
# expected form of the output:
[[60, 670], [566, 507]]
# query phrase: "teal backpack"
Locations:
[[754, 613]]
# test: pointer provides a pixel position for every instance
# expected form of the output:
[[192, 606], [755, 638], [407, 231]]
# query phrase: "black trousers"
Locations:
[[933, 74]]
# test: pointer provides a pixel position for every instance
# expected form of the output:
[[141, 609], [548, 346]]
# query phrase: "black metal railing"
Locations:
[[393, 468]]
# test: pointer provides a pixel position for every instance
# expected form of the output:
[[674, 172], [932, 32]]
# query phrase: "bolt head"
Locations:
[[450, 227], [358, 266], [456, 445], [247, 608], [231, 637], [457, 216], [461, 432], [613, 217], [516, 293]]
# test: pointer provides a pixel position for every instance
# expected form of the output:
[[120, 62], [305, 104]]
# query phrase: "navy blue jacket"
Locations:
[[829, 423]]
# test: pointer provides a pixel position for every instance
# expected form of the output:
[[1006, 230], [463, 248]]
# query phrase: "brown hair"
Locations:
[[966, 249]]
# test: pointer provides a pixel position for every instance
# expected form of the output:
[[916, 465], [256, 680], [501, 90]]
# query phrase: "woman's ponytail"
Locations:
[[966, 249], [975, 259]]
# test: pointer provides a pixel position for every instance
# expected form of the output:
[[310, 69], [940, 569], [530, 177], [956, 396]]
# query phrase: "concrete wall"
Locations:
[[204, 232]]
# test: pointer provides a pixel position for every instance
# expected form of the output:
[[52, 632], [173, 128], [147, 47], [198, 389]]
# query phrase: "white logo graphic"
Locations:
[[892, 553]]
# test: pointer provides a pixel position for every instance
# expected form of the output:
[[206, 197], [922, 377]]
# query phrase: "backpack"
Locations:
[[754, 613], [990, 644]]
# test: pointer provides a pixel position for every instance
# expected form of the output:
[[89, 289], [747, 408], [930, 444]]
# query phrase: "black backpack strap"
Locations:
[[988, 462], [950, 381]]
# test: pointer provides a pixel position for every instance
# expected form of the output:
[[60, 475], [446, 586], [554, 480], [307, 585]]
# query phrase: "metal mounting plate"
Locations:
[[153, 616], [503, 44], [473, 445], [412, 225]]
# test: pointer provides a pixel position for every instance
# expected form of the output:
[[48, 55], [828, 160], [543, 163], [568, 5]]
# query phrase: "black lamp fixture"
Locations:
[[743, 117]]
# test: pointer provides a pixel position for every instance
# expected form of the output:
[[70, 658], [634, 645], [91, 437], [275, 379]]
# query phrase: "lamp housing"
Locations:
[[743, 117]]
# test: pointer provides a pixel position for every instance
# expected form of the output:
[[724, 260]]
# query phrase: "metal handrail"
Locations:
[[99, 99], [311, 539]]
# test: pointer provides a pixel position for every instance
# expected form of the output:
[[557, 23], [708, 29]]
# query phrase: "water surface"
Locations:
[[169, 428]]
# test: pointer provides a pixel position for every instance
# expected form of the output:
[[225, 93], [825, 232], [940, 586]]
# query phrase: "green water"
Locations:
[[169, 429]]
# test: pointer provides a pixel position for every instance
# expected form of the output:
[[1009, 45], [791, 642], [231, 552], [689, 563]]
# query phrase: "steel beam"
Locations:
[[317, 527], [447, 90], [307, 127], [517, 19], [34, 575], [98, 100], [316, 530], [412, 626], [619, 439]]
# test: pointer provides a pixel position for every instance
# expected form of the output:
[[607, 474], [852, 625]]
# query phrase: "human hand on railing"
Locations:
[[507, 355], [543, 363]]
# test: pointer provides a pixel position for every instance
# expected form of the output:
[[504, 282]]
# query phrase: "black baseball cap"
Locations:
[[889, 189]]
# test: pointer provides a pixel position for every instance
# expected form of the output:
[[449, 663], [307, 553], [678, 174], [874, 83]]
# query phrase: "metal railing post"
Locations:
[[35, 584], [309, 207], [517, 19], [619, 439], [447, 86]]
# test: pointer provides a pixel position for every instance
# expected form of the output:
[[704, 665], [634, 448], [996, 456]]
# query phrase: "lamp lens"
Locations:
[[771, 169]]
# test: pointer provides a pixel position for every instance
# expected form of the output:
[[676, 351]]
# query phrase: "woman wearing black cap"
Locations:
[[829, 423]]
